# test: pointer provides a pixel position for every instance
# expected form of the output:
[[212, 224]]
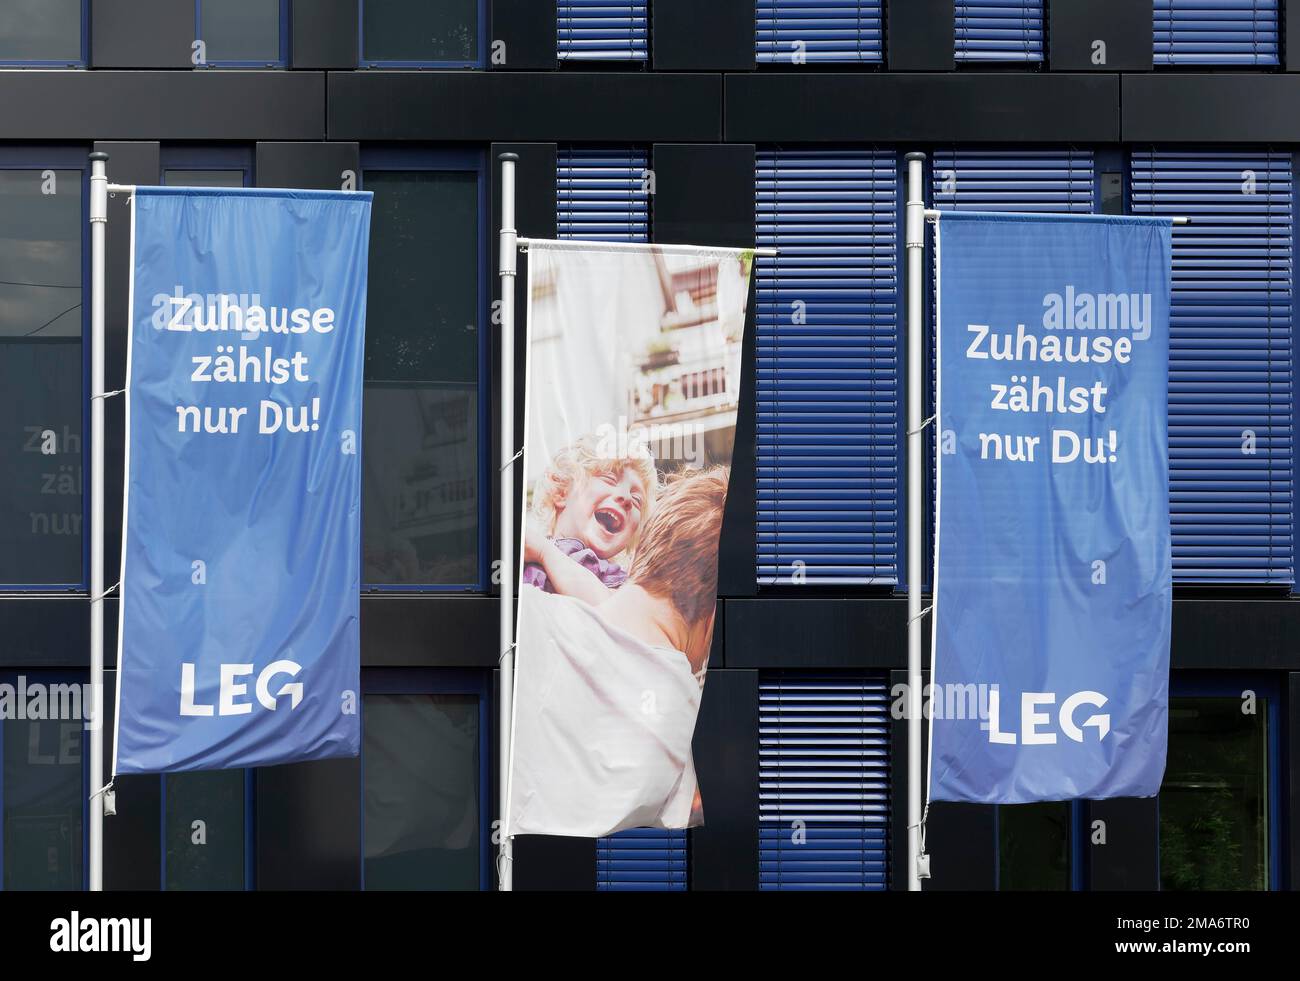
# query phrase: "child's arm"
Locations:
[[570, 578]]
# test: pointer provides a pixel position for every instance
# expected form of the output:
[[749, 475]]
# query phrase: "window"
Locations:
[[42, 370], [421, 33], [1034, 845], [422, 523], [605, 30], [43, 786], [1231, 496], [827, 394], [1218, 803], [1216, 32], [243, 33], [424, 765], [999, 30], [184, 166], [43, 33], [796, 32], [823, 778], [207, 823]]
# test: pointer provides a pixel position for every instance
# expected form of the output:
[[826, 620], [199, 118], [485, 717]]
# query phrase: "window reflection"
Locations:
[[204, 829], [419, 31], [41, 321], [422, 808], [1214, 799], [1034, 846], [40, 31], [42, 804], [420, 442], [241, 30]]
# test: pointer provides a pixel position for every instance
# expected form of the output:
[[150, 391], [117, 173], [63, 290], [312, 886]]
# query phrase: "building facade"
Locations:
[[734, 122]]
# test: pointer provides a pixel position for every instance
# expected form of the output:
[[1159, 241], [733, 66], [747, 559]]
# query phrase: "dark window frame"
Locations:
[[459, 160], [440, 681]]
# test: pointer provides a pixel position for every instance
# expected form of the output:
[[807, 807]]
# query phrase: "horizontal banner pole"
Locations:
[[933, 214], [579, 243]]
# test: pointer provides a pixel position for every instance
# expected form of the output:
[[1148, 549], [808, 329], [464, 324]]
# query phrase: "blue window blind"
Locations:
[[999, 30], [828, 388], [823, 782], [603, 30], [642, 860], [798, 31], [1231, 494], [601, 195], [1216, 32]]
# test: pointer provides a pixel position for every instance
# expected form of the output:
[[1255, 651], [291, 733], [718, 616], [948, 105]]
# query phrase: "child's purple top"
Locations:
[[609, 573]]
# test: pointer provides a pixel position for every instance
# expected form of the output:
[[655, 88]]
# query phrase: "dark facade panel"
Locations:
[[141, 34], [527, 29], [713, 36], [614, 107], [779, 632], [46, 632], [151, 105], [309, 820], [976, 107], [1253, 107], [315, 166], [1246, 635], [724, 853], [921, 35], [704, 195], [1130, 857], [1100, 35], [428, 631], [325, 34], [1291, 776], [1291, 35]]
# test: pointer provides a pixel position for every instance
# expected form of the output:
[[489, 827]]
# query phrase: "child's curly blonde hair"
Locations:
[[581, 460]]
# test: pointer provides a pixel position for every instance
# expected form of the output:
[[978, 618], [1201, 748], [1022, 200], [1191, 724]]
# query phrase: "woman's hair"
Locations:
[[677, 559], [581, 460]]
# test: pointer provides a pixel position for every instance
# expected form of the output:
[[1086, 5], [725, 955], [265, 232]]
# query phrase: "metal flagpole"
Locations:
[[506, 637], [98, 223], [915, 525]]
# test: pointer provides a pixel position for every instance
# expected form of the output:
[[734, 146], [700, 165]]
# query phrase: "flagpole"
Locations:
[[915, 526], [98, 223], [506, 637]]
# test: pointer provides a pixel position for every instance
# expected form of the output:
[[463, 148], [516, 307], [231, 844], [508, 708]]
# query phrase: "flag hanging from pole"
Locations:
[[1053, 578], [238, 640], [634, 377]]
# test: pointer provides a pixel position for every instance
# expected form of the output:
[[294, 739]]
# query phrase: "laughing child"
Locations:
[[585, 521]]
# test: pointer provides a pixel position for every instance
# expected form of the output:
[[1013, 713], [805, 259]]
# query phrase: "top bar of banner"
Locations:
[[933, 214], [577, 245], [292, 193]]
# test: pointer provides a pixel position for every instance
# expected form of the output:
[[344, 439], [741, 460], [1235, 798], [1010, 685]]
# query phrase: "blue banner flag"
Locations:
[[1053, 575], [239, 641]]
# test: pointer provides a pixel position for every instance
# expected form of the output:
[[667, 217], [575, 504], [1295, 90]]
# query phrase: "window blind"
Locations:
[[827, 395]]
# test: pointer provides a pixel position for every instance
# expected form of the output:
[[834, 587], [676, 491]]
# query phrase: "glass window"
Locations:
[[419, 32], [43, 796], [1214, 802], [40, 31], [204, 824], [236, 32], [420, 485], [41, 380], [1034, 846], [423, 822]]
